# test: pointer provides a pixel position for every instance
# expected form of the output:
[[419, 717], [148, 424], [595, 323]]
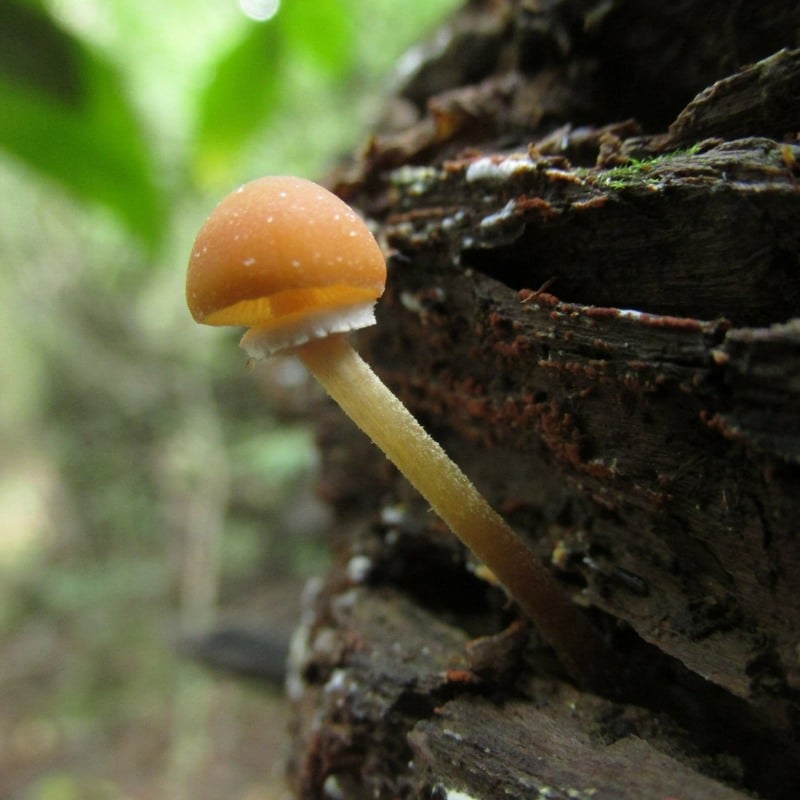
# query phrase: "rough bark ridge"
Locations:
[[591, 211]]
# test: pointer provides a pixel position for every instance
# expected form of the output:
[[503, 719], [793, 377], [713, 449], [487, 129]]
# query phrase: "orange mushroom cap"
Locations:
[[288, 259]]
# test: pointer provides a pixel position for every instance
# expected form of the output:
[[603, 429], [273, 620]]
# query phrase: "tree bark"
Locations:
[[591, 214]]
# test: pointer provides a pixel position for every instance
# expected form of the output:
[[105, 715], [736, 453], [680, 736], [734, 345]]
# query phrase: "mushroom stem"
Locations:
[[366, 400]]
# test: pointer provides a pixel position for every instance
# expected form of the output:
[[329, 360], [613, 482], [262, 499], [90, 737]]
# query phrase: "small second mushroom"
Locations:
[[292, 262]]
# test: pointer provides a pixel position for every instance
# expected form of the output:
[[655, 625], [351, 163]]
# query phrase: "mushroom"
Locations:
[[293, 263]]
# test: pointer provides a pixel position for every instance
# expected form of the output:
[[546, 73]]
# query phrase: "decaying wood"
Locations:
[[592, 304], [548, 740]]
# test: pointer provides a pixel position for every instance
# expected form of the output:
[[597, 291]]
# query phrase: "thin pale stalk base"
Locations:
[[365, 399]]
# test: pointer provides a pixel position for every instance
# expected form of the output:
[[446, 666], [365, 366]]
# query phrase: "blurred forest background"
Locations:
[[148, 481]]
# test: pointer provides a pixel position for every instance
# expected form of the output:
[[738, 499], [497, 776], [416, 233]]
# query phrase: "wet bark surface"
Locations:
[[591, 216]]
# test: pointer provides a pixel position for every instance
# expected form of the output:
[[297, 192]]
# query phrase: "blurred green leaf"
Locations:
[[36, 53], [276, 458], [322, 30], [65, 113], [242, 93]]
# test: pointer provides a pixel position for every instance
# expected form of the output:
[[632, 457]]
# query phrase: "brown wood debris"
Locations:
[[593, 231]]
